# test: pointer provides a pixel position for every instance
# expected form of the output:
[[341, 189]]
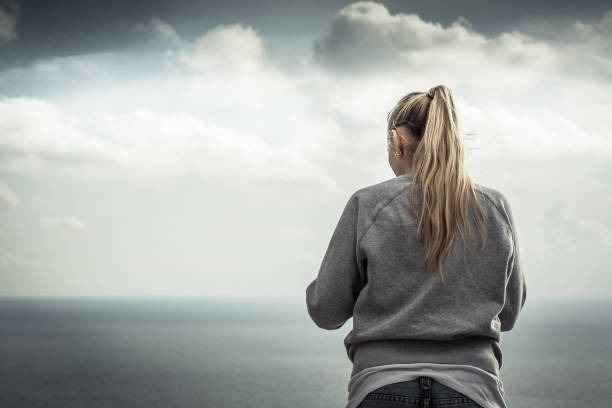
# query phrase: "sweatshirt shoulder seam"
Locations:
[[375, 217], [508, 224]]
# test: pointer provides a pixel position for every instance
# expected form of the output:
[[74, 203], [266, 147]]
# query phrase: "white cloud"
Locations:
[[71, 223], [535, 132], [50, 139], [231, 47], [182, 143], [141, 143], [8, 196], [9, 259]]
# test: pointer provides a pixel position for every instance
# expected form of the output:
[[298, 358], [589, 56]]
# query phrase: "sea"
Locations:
[[218, 352]]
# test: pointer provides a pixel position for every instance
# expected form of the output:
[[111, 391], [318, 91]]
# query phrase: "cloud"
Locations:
[[363, 28], [299, 123], [9, 259], [71, 223], [579, 237], [7, 196], [568, 241], [8, 21], [365, 36], [231, 47], [141, 143], [512, 90], [226, 47], [161, 30], [232, 90], [592, 37], [184, 144], [195, 121], [51, 138], [534, 132]]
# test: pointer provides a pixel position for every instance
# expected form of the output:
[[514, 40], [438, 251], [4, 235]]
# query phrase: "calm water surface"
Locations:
[[122, 352]]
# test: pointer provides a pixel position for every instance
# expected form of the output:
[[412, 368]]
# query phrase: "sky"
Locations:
[[207, 148]]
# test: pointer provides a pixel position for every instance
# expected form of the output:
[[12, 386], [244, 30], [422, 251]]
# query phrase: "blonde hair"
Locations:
[[445, 188]]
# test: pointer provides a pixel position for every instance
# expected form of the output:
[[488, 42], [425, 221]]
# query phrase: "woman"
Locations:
[[427, 308]]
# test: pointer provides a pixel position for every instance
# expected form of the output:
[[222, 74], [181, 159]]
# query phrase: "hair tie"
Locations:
[[431, 92]]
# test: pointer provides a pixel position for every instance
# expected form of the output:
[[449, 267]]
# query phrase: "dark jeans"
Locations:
[[423, 392]]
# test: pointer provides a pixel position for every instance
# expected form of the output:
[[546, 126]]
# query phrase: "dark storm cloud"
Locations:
[[9, 14], [367, 37], [71, 27]]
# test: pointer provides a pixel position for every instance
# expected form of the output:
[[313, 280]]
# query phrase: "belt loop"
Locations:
[[426, 390]]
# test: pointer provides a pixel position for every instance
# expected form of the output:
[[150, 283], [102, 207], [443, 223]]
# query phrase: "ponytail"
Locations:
[[446, 190]]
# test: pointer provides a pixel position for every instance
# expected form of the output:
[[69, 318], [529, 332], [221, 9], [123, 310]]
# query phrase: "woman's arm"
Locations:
[[331, 296]]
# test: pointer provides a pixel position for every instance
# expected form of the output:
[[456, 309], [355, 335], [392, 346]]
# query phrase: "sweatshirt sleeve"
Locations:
[[516, 287], [331, 296]]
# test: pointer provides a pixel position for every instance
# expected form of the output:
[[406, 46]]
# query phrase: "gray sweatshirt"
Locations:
[[374, 271]]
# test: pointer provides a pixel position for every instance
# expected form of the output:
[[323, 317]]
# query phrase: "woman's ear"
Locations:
[[396, 140]]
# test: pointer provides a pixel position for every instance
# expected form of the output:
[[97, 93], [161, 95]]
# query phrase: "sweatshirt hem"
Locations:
[[477, 351]]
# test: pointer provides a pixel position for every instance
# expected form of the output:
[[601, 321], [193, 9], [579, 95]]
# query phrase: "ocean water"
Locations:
[[160, 352]]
